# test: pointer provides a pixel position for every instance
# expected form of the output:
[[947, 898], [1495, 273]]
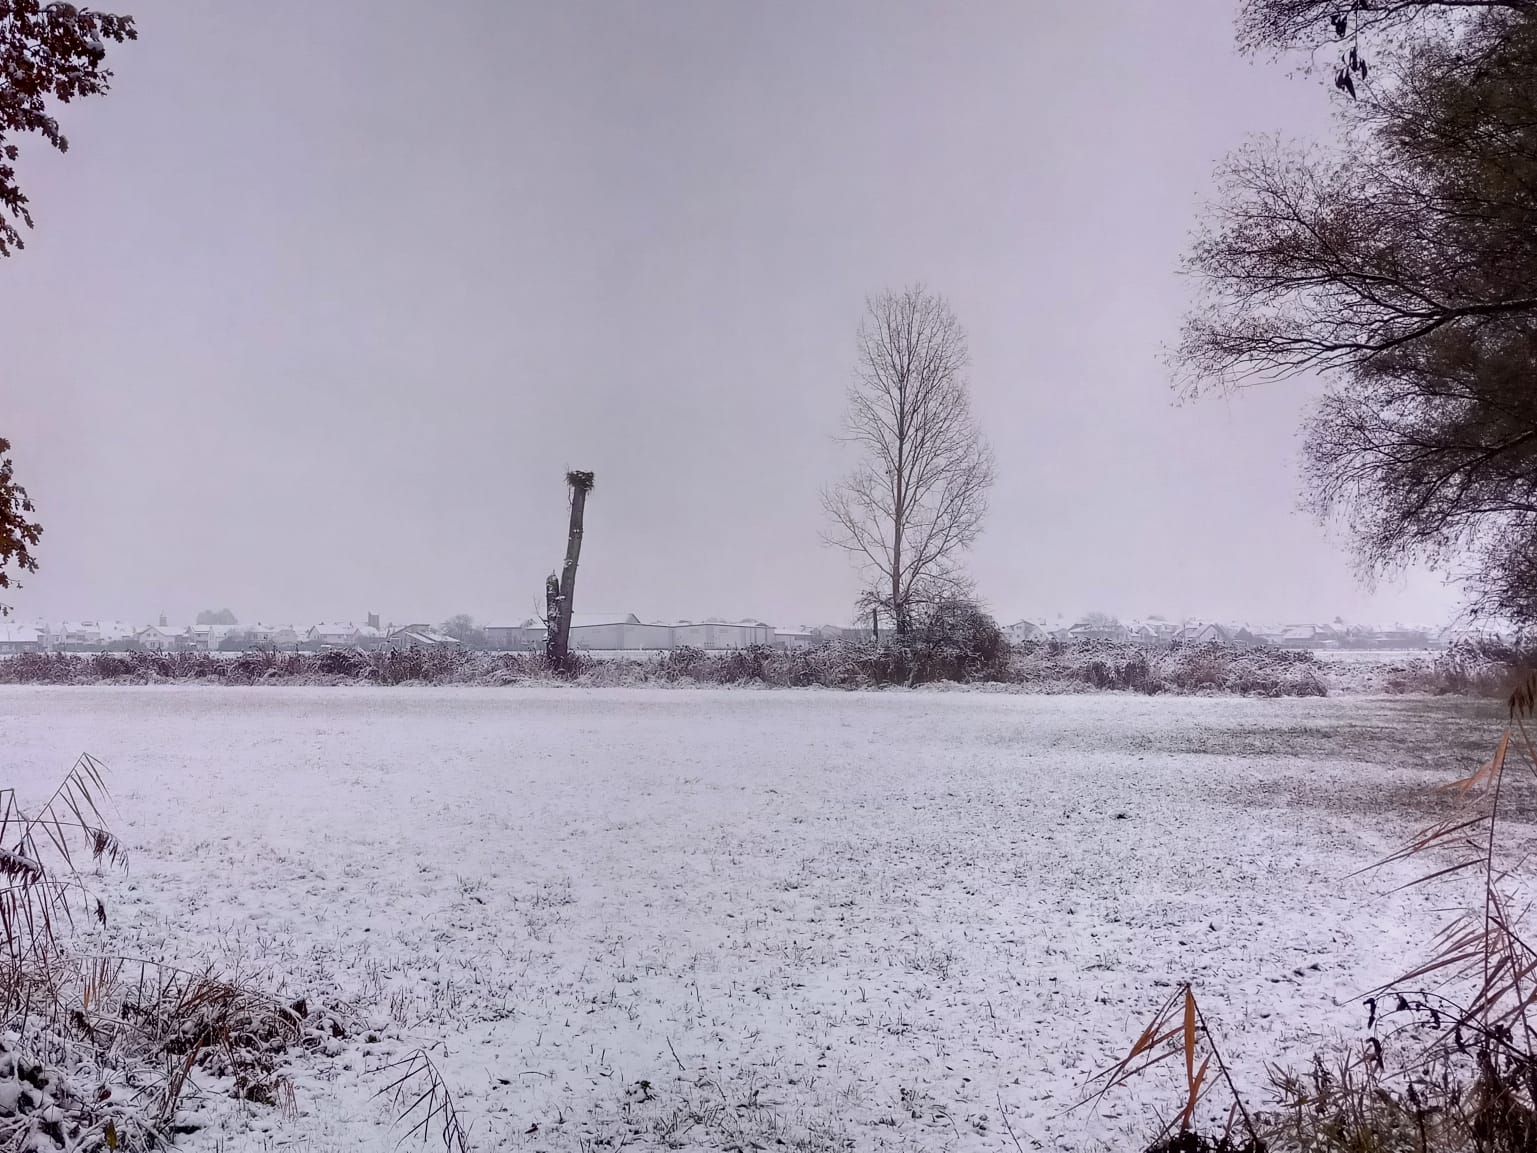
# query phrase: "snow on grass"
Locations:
[[716, 919]]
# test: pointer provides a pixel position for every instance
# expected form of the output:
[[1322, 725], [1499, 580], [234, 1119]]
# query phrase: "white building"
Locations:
[[525, 637], [161, 638], [1202, 634], [335, 635], [618, 632], [73, 635], [419, 636], [799, 637], [20, 639], [722, 634], [115, 633], [1098, 629], [208, 638], [1021, 631], [843, 633], [1306, 636], [274, 636]]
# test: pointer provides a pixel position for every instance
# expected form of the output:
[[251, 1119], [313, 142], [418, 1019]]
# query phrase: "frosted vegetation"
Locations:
[[725, 919]]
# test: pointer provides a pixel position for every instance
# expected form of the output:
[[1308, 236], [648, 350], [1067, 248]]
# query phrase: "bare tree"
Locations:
[[915, 502], [560, 595]]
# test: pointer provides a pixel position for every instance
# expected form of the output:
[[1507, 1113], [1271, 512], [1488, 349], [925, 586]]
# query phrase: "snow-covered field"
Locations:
[[758, 919]]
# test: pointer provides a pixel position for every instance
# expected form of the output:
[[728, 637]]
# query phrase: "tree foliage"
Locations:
[[47, 51], [916, 500], [19, 533], [216, 617], [1403, 266]]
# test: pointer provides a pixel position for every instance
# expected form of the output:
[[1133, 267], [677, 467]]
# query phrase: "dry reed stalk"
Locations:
[[422, 1097]]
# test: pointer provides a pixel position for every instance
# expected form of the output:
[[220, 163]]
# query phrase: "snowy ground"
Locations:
[[740, 919]]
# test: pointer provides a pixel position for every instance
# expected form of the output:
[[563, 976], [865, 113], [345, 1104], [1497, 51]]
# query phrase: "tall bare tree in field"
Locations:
[[560, 594], [915, 502]]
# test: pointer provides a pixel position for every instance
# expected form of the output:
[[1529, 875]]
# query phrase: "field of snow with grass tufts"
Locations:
[[755, 919]]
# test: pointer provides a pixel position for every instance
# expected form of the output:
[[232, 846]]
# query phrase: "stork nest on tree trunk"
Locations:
[[580, 481]]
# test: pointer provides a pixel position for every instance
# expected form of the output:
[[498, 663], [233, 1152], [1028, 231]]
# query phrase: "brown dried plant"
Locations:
[[1179, 1030], [1483, 956], [41, 854], [55, 996]]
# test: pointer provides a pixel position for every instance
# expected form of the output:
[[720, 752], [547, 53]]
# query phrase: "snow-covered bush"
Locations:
[[957, 640], [1052, 666], [956, 643], [1479, 667]]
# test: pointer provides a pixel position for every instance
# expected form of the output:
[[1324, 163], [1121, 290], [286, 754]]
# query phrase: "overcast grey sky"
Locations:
[[326, 297]]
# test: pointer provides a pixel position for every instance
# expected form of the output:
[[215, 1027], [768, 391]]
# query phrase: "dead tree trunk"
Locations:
[[551, 619], [560, 625]]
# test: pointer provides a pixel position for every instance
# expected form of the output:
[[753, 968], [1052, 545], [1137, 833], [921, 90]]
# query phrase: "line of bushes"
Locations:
[[1046, 667], [1484, 668], [1055, 666]]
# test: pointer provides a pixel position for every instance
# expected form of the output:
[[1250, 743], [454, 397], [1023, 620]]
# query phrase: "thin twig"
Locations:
[[1004, 1113]]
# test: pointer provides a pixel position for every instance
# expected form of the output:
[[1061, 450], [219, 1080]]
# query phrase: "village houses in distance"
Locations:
[[599, 633]]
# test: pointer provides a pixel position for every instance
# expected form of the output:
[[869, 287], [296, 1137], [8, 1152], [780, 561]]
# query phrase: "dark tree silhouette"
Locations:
[[19, 533], [560, 593], [1284, 25], [47, 51], [1403, 266], [1361, 32]]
